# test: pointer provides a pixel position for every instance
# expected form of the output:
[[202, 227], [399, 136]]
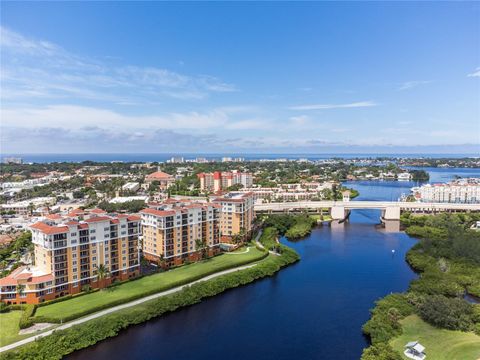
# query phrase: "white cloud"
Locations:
[[299, 120], [412, 84], [334, 106], [476, 73], [38, 69]]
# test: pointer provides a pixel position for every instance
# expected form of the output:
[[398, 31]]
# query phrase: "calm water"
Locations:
[[311, 310], [44, 158]]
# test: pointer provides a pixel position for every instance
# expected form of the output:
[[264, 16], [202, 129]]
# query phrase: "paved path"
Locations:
[[238, 253], [119, 307]]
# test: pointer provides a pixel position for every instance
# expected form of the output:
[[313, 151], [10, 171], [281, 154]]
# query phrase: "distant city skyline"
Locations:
[[240, 78]]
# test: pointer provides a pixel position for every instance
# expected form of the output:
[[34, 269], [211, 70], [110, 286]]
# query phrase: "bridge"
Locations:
[[339, 210]]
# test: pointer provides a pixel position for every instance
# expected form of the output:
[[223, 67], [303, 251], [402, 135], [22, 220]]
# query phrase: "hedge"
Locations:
[[41, 319], [63, 342], [25, 319]]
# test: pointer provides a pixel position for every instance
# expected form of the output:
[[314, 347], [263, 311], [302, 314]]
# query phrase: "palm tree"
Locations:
[[102, 273], [202, 247], [20, 289]]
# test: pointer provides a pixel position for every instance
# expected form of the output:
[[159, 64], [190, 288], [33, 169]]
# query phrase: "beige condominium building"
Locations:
[[68, 252], [178, 231], [236, 214], [218, 181]]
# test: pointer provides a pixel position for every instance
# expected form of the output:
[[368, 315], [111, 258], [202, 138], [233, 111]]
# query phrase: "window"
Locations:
[[92, 231], [94, 258], [49, 291], [73, 234], [74, 270], [74, 248]]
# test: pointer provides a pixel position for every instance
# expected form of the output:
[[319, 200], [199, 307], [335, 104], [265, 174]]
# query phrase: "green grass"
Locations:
[[9, 327], [440, 344], [77, 307]]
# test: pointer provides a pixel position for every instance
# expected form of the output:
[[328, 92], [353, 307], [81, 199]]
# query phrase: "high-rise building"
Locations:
[[218, 181], [236, 214], [69, 251], [173, 230]]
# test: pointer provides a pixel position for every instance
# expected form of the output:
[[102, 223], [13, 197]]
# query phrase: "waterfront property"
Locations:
[[465, 191], [440, 344], [178, 231], [236, 215], [83, 249], [147, 285]]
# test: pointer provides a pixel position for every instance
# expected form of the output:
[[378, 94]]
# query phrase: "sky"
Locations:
[[153, 77]]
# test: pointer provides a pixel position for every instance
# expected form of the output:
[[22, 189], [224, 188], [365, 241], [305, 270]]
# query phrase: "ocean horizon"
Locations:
[[162, 157]]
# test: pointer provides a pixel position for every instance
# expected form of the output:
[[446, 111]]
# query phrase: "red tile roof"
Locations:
[[97, 219], [49, 230], [98, 211], [159, 175], [158, 212]]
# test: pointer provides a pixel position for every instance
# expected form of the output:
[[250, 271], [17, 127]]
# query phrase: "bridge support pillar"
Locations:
[[392, 213], [338, 212]]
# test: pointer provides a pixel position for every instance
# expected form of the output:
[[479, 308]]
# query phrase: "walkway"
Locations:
[[120, 307]]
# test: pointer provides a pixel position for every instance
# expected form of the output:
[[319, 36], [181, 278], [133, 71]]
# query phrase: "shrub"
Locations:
[[380, 351], [25, 319], [63, 342], [448, 313]]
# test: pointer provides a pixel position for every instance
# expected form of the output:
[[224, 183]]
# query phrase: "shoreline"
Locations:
[[146, 308]]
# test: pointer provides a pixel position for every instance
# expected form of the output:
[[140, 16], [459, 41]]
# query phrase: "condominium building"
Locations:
[[457, 191], [173, 229], [236, 214], [218, 181], [69, 252]]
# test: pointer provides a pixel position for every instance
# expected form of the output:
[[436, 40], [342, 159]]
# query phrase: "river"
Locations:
[[311, 310]]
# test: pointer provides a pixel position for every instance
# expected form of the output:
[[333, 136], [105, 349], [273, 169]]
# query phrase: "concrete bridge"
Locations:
[[339, 210]]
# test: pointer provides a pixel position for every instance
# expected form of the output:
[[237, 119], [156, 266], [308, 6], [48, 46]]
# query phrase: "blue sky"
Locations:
[[240, 77]]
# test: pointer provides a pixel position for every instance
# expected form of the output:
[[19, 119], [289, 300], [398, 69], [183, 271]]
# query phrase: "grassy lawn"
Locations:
[[153, 283], [9, 327], [439, 344]]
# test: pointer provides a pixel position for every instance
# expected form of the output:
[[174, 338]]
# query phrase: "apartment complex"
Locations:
[[236, 214], [68, 252], [173, 229], [457, 191], [218, 181], [289, 192]]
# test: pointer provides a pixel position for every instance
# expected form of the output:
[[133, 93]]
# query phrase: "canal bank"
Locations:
[[312, 310]]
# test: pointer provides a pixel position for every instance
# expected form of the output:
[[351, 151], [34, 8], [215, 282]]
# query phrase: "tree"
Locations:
[[102, 274], [448, 313], [202, 247], [20, 289]]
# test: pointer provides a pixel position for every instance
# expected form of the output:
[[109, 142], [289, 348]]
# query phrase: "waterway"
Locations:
[[311, 310]]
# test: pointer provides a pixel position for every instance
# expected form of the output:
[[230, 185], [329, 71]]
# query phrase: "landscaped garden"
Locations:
[[440, 344], [9, 327], [85, 304]]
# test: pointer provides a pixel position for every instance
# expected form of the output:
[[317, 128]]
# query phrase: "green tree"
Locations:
[[102, 274], [202, 247]]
